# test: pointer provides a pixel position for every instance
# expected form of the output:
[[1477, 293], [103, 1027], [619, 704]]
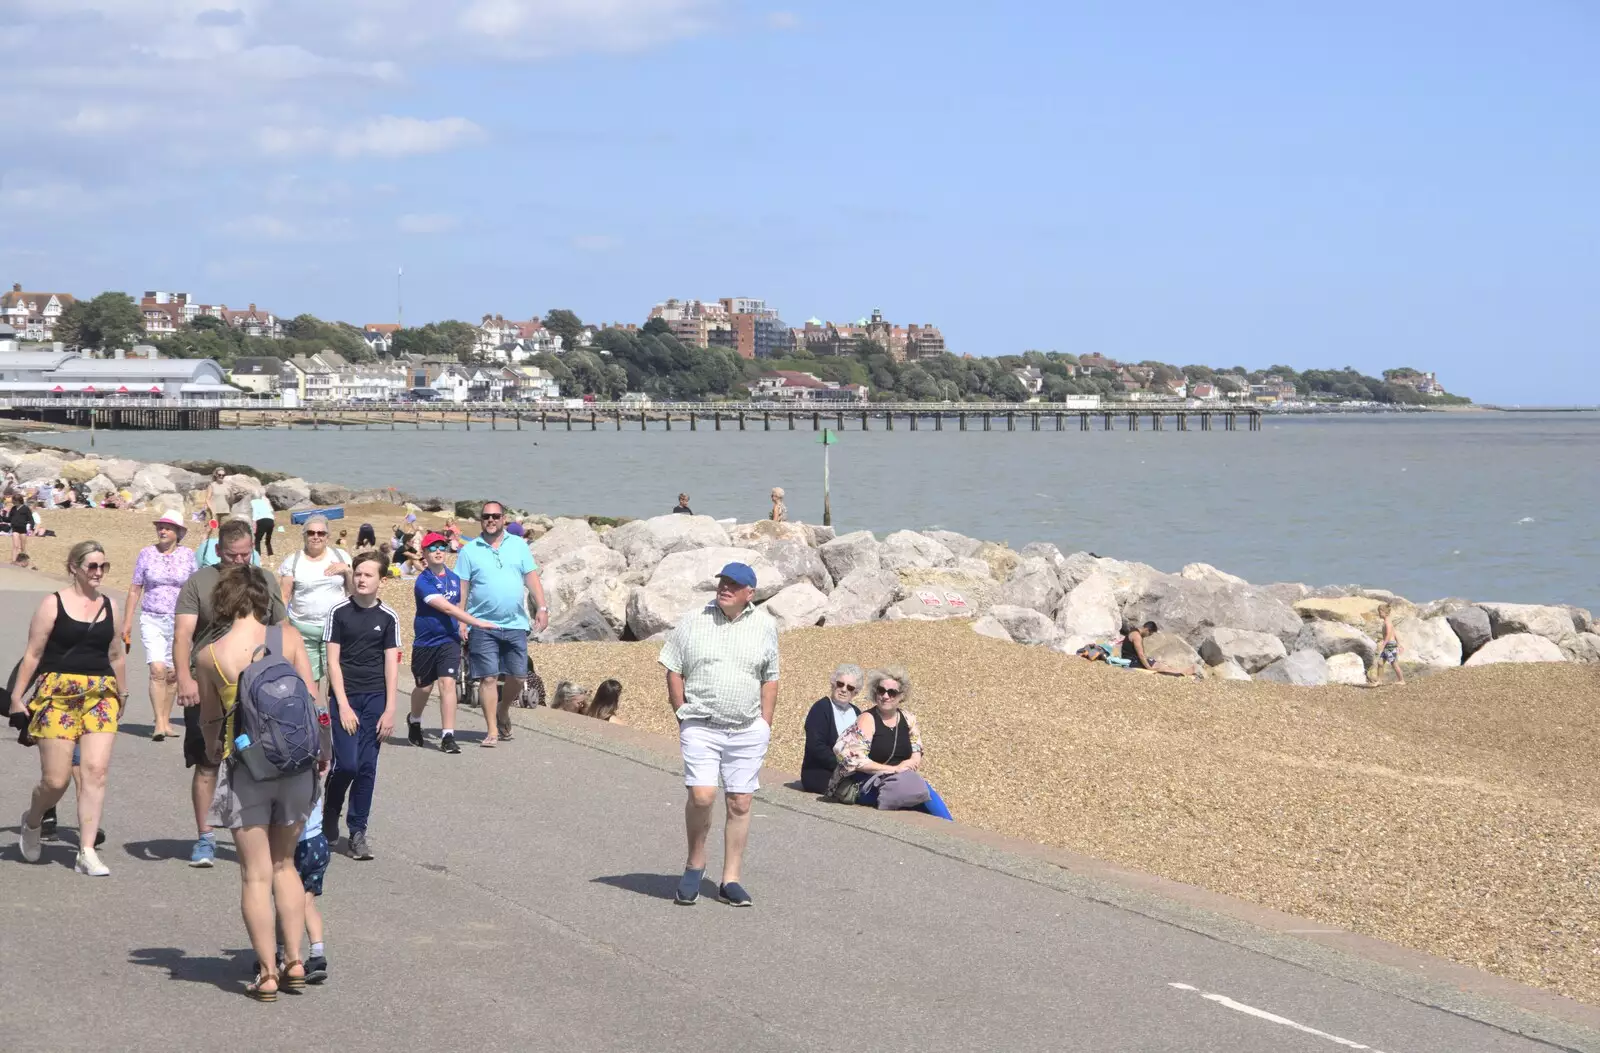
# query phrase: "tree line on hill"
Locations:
[[651, 360]]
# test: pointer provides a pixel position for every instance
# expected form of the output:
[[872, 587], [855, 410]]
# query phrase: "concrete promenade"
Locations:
[[520, 899]]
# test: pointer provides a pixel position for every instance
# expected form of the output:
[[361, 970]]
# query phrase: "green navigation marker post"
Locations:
[[829, 437]]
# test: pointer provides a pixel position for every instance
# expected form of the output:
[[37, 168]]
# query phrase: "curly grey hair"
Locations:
[[891, 672], [849, 669]]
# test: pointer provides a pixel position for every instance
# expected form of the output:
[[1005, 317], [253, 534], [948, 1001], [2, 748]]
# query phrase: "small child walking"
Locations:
[[311, 858], [1388, 650]]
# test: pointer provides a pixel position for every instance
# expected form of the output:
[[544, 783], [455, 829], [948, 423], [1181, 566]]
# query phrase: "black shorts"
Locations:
[[440, 661], [194, 740]]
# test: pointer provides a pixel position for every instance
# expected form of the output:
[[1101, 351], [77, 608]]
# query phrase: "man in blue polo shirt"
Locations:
[[497, 572]]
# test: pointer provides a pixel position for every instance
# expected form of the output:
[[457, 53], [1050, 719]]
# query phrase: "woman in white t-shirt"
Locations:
[[314, 581]]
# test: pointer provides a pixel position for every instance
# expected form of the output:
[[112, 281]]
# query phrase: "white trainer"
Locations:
[[89, 863], [30, 840]]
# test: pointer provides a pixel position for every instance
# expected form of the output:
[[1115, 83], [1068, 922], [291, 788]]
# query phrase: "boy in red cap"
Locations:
[[436, 652]]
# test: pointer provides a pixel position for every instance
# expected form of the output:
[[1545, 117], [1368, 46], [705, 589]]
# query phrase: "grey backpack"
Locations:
[[277, 711]]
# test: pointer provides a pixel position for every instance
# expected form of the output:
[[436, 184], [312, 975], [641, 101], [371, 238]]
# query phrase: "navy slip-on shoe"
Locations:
[[689, 887], [734, 895]]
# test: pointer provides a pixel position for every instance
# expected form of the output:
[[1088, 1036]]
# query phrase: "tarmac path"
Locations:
[[521, 899]]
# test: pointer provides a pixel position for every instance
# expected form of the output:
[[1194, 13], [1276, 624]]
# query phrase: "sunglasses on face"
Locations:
[[492, 515], [437, 548], [889, 692], [316, 533], [840, 685], [97, 568]]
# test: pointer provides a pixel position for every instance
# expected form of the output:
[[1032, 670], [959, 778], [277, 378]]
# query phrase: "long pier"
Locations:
[[161, 415]]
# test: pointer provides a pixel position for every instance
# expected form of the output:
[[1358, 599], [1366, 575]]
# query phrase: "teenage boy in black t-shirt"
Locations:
[[363, 638]]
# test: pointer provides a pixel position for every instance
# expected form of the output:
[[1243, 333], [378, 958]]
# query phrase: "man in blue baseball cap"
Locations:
[[722, 681]]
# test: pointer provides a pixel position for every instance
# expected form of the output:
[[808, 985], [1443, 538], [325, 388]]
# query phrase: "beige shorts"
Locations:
[[242, 800]]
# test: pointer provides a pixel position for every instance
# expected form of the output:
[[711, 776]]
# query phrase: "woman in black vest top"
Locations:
[[74, 650], [885, 740]]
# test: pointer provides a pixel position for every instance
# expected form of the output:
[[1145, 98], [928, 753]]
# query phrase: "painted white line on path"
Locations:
[[1262, 1014]]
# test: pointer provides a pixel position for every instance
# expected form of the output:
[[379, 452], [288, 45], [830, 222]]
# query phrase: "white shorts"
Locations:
[[733, 753], [155, 632]]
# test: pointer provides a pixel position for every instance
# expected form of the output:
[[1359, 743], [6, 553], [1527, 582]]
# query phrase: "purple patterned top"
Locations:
[[162, 577]]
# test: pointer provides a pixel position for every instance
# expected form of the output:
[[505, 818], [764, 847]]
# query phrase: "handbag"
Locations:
[[901, 790]]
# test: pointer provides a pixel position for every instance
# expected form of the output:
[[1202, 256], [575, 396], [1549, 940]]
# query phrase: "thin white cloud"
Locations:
[[386, 136], [426, 223]]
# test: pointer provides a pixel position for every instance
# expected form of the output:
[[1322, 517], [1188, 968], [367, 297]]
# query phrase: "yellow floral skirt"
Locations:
[[71, 705]]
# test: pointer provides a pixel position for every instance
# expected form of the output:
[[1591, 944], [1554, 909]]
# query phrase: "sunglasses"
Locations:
[[889, 692], [839, 685], [92, 568], [493, 515], [316, 533], [437, 548]]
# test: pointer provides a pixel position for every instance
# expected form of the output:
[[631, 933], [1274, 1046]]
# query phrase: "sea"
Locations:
[[1479, 505]]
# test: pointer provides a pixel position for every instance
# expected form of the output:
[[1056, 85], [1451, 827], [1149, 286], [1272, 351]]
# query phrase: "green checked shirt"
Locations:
[[723, 663]]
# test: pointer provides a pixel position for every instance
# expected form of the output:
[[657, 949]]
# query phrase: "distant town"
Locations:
[[168, 344]]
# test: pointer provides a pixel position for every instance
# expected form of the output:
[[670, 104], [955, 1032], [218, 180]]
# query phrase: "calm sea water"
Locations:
[[1482, 505]]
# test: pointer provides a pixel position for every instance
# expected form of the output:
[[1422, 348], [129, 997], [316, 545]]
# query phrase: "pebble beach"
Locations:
[[1457, 815]]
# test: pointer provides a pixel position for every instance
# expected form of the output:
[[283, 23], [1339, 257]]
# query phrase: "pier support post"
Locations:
[[619, 420], [841, 420], [914, 416], [962, 417], [741, 420], [642, 425], [791, 420], [766, 420], [986, 422], [938, 421], [569, 420], [888, 420], [816, 422], [863, 421], [717, 417], [594, 421]]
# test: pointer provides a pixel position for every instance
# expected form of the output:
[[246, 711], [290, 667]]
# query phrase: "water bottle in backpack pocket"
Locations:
[[276, 714]]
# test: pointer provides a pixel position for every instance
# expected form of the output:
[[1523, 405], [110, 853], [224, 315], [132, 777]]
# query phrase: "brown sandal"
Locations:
[[254, 988], [290, 982]]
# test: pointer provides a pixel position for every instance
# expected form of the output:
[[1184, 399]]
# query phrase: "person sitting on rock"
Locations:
[[780, 512], [880, 754], [1133, 651], [830, 716]]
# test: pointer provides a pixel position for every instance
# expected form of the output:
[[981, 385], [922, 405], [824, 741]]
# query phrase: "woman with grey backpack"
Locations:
[[263, 727], [880, 754]]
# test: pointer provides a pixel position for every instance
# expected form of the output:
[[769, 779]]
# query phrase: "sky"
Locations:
[[1372, 184]]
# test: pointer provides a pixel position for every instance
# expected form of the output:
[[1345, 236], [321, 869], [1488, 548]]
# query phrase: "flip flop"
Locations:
[[489, 744]]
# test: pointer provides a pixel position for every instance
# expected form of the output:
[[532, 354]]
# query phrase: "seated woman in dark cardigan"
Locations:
[[830, 717]]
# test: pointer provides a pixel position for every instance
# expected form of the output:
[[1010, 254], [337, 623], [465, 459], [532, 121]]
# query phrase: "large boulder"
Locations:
[[818, 535], [183, 481], [1509, 619], [1471, 626], [241, 507], [1359, 611], [959, 544], [1427, 644], [1347, 669], [1251, 650], [1206, 572], [1001, 560], [1171, 651], [10, 458], [1077, 567], [1287, 591], [583, 623], [120, 470], [1582, 647], [861, 596], [569, 575], [766, 530], [1188, 608], [568, 535], [100, 487], [797, 562], [1582, 619], [1518, 647], [849, 553], [80, 471], [990, 626], [1025, 625], [246, 485], [976, 590], [148, 482], [644, 541], [797, 606], [324, 494], [908, 549], [1229, 670], [1035, 584], [1090, 610], [40, 464], [656, 608], [1302, 668], [1042, 550], [697, 569], [1335, 638], [928, 603], [286, 493], [608, 595]]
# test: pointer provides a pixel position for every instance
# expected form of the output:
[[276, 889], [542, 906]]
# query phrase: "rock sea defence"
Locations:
[[635, 581]]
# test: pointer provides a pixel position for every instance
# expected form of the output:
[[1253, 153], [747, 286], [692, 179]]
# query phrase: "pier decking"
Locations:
[[172, 415]]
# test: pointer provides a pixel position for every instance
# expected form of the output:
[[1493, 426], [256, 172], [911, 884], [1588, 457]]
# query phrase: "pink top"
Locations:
[[162, 576]]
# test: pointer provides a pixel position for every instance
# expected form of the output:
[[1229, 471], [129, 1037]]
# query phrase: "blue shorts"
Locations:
[[311, 860], [497, 652]]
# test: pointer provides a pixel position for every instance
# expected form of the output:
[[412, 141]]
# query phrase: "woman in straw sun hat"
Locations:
[[158, 575]]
